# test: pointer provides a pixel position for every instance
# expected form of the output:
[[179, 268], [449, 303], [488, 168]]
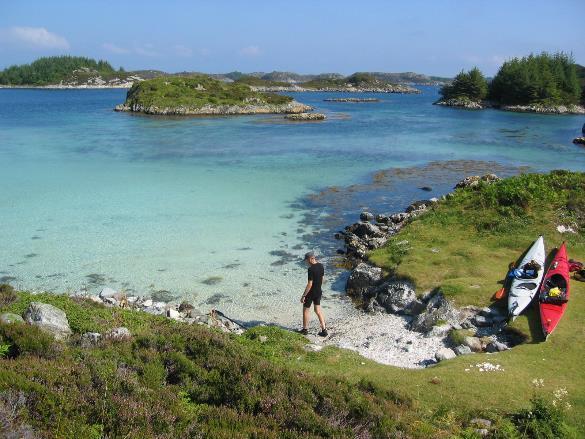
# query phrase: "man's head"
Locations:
[[310, 258]]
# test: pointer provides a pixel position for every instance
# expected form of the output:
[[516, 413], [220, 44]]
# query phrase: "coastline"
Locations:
[[468, 104]]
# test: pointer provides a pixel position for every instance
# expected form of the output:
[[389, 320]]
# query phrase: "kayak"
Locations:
[[523, 290], [554, 292]]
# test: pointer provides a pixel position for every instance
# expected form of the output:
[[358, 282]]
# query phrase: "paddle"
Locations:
[[502, 291]]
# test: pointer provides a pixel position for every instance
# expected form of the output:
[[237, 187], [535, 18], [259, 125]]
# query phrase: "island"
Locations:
[[203, 95], [544, 83], [355, 83]]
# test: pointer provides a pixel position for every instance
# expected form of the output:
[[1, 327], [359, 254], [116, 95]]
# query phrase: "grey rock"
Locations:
[[444, 354], [365, 230], [486, 311], [395, 296], [439, 330], [399, 217], [482, 431], [108, 292], [480, 422], [90, 339], [49, 318], [473, 343], [481, 321], [382, 219], [418, 206], [438, 310], [362, 279], [216, 319], [110, 301], [462, 350], [263, 339], [469, 181], [147, 303], [120, 333], [312, 347], [173, 314], [366, 216], [496, 346], [8, 317]]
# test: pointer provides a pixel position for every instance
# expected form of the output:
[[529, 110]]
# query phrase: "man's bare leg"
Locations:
[[306, 316], [320, 316]]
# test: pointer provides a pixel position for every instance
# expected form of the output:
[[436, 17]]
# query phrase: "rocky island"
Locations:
[[545, 83], [202, 95]]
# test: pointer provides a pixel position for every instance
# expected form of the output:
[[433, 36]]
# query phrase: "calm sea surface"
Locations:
[[218, 210]]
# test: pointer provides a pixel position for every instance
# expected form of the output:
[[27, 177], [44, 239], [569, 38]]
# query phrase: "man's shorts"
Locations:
[[312, 298]]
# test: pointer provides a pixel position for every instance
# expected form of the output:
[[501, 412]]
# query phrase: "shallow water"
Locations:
[[218, 210]]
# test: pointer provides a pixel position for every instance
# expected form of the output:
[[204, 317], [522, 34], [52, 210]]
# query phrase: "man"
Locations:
[[312, 294]]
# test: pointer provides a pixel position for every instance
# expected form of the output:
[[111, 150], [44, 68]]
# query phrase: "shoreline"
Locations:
[[468, 104]]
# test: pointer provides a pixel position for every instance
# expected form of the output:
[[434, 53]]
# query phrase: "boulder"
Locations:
[[418, 206], [579, 141], [462, 350], [398, 218], [481, 321], [8, 317], [496, 346], [108, 292], [120, 333], [48, 318], [216, 319], [90, 339], [173, 314], [366, 216], [474, 343], [395, 296], [365, 230], [469, 181], [439, 330], [362, 279], [480, 422], [382, 219], [444, 354], [438, 310]]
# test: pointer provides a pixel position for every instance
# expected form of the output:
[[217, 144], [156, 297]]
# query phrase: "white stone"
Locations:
[[108, 292]]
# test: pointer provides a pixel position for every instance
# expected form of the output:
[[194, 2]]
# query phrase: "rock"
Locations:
[[120, 333], [95, 299], [444, 354], [110, 301], [216, 319], [439, 330], [312, 347], [461, 102], [481, 431], [438, 309], [362, 278], [490, 178], [366, 216], [8, 317], [496, 346], [147, 303], [418, 206], [132, 299], [395, 296], [108, 292], [382, 219], [462, 350], [426, 188], [90, 339], [398, 218], [473, 343], [185, 307], [365, 230], [481, 321], [173, 314], [479, 422], [565, 229], [49, 318], [470, 181], [263, 339], [305, 116]]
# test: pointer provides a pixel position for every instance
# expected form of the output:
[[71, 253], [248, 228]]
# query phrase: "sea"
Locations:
[[219, 211]]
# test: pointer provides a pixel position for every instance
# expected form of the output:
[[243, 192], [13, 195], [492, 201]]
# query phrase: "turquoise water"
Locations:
[[215, 209]]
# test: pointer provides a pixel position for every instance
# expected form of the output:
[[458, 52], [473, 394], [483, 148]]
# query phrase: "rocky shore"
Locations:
[[217, 110], [469, 104], [460, 331], [389, 88], [351, 100], [305, 116]]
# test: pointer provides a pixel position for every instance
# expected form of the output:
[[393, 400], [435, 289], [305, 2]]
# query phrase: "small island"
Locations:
[[302, 117], [202, 95], [352, 100], [544, 83]]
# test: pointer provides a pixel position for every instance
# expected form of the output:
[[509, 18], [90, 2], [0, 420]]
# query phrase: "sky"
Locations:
[[435, 37]]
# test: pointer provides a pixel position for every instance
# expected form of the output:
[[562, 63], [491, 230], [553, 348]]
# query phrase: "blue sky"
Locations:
[[437, 37]]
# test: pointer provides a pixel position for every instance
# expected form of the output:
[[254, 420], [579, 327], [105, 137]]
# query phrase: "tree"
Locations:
[[471, 85]]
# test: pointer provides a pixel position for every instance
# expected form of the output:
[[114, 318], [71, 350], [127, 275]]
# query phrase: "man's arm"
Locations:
[[307, 289]]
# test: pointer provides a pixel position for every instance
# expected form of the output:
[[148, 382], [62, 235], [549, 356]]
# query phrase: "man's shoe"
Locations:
[[303, 331], [323, 333]]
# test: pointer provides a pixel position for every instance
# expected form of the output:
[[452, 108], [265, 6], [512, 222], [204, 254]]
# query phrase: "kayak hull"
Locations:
[[522, 291], [558, 272]]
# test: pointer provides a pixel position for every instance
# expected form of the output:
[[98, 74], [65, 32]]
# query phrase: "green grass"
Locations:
[[195, 92]]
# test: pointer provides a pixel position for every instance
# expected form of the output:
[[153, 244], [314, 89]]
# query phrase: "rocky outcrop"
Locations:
[[476, 180], [579, 141], [445, 354], [305, 116], [8, 317], [362, 280], [461, 102], [545, 109], [292, 107], [48, 318]]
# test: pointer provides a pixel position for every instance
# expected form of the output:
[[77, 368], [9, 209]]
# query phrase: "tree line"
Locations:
[[548, 79], [51, 70]]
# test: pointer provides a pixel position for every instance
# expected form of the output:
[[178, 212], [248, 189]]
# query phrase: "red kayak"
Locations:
[[554, 292]]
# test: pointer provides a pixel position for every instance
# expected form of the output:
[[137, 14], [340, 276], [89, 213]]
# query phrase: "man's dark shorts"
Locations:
[[312, 298]]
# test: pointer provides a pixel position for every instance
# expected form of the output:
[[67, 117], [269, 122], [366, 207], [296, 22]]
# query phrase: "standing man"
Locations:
[[313, 293]]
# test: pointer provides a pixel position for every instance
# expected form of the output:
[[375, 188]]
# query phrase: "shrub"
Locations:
[[543, 421], [7, 295], [25, 339]]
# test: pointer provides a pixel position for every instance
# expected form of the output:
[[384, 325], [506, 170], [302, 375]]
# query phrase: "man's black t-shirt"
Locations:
[[316, 272]]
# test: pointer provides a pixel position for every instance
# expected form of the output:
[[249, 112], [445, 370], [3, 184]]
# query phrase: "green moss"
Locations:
[[195, 92]]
